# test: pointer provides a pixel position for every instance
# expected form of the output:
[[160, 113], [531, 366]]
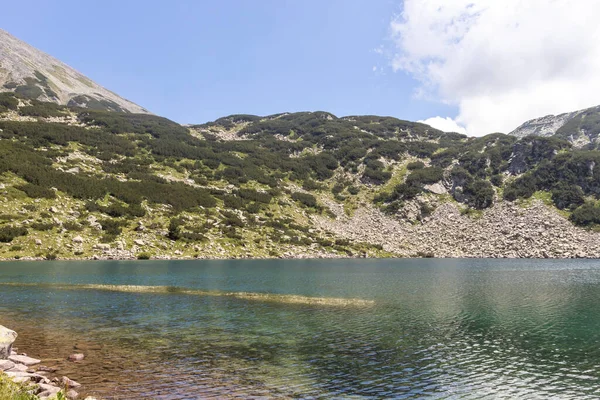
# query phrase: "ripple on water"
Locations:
[[454, 332]]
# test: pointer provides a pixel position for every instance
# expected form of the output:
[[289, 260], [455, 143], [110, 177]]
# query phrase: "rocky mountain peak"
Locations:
[[34, 74], [580, 127]]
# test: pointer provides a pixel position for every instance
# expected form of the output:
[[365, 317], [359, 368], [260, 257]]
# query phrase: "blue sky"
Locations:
[[195, 61]]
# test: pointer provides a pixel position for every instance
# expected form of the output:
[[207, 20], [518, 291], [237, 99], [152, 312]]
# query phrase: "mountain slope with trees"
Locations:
[[81, 183]]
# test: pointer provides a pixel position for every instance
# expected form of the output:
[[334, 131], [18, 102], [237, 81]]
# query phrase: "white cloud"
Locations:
[[444, 124], [501, 61]]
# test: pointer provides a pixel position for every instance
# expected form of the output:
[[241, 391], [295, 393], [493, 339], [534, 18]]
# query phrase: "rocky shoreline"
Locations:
[[506, 230], [37, 379]]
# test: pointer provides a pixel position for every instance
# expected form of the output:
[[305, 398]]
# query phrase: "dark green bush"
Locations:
[[567, 196], [415, 165], [8, 233], [43, 226], [587, 214], [306, 199]]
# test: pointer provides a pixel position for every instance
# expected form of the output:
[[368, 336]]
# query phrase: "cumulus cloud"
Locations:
[[501, 62], [444, 124]]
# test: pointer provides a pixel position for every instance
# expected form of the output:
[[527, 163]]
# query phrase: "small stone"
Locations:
[[77, 239], [44, 368], [38, 242], [69, 382], [76, 357], [72, 395], [139, 242], [53, 209]]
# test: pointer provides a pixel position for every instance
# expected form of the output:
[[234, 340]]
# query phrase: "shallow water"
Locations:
[[313, 329]]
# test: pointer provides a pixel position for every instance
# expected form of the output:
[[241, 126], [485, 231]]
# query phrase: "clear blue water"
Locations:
[[314, 328]]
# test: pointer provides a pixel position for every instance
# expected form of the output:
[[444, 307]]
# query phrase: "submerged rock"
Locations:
[[76, 357]]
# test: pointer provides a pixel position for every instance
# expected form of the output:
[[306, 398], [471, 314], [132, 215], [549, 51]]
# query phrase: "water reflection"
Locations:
[[440, 328]]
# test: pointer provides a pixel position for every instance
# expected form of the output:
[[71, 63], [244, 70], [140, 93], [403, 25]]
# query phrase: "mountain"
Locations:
[[34, 74], [82, 183], [581, 128], [77, 183]]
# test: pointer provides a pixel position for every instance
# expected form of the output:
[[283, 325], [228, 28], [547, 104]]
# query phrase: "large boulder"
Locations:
[[7, 338]]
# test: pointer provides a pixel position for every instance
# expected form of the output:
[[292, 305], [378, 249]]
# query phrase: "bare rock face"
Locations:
[[7, 338], [37, 75], [578, 127]]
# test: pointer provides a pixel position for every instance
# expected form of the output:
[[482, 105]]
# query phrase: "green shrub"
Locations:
[[415, 165], [305, 199], [497, 180], [523, 187], [143, 256], [567, 196], [587, 214], [43, 226], [479, 194], [112, 227], [36, 191], [72, 226], [8, 233], [8, 102]]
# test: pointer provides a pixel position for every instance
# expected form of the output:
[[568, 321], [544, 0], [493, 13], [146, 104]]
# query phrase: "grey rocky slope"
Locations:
[[580, 127], [37, 75]]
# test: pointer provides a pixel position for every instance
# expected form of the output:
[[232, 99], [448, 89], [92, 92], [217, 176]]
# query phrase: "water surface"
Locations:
[[313, 329]]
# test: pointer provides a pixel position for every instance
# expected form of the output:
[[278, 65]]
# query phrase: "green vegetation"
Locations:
[[194, 192], [14, 391]]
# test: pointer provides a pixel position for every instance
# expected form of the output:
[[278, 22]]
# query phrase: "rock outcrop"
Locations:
[[579, 127], [7, 338]]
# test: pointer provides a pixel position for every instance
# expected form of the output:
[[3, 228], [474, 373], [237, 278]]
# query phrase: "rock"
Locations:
[[139, 242], [69, 382], [7, 338], [72, 395], [51, 389], [28, 361], [38, 242], [53, 209], [44, 368], [140, 227], [74, 170], [24, 376], [77, 239], [76, 357], [20, 368], [436, 188], [6, 365]]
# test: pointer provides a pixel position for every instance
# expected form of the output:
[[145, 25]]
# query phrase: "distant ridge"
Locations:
[[580, 127], [37, 75]]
